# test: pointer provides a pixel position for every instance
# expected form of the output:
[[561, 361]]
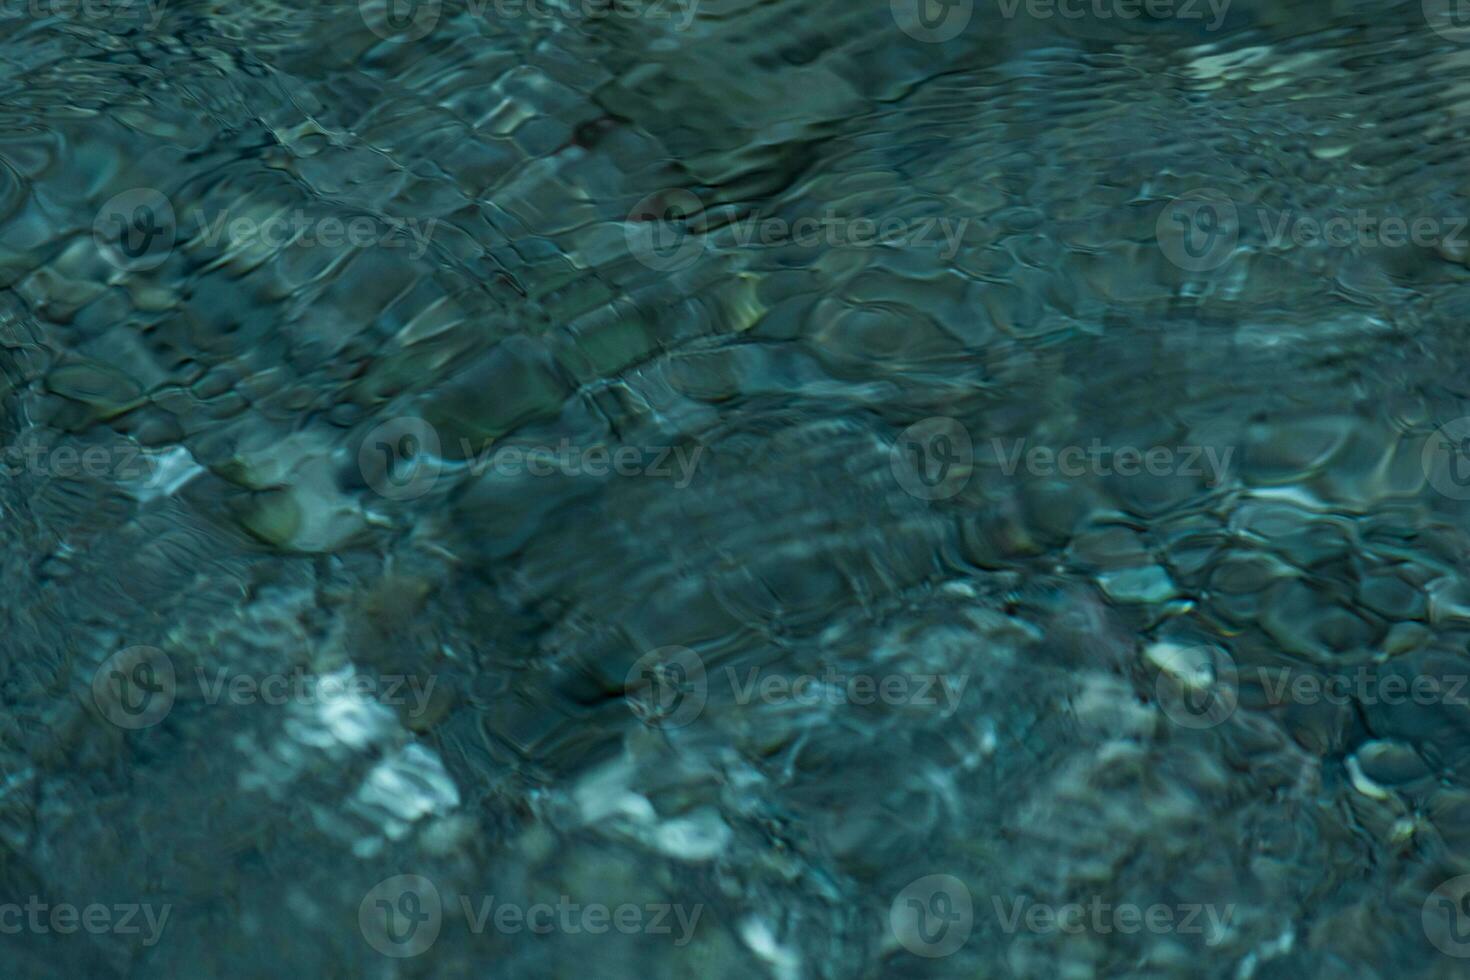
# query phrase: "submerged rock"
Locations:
[[793, 489]]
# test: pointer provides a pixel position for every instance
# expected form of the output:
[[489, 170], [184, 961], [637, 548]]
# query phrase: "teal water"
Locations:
[[727, 488]]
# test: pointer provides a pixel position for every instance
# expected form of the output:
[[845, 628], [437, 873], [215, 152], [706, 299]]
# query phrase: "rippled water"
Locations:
[[722, 488]]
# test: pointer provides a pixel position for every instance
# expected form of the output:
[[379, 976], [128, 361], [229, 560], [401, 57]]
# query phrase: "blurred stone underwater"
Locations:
[[735, 488]]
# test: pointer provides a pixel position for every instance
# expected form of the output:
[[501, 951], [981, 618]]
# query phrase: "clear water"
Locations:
[[720, 488]]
